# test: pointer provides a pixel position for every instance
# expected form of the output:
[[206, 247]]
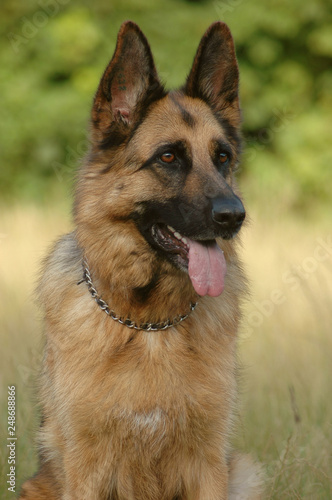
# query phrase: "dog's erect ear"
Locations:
[[214, 76], [129, 79]]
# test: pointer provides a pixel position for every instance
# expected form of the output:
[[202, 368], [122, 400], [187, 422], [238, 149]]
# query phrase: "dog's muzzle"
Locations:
[[228, 213]]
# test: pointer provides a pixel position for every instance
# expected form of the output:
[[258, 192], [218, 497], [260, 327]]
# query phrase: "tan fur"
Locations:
[[135, 415]]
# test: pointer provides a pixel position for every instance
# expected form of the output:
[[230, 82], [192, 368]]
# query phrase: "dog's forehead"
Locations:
[[178, 117]]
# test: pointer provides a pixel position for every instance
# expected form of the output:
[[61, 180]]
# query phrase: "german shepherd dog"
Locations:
[[142, 300]]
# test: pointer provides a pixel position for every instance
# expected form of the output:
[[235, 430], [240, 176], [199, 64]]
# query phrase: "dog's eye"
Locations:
[[223, 158], [167, 157]]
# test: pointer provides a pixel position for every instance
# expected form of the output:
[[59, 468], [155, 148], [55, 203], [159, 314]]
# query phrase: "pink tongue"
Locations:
[[207, 268]]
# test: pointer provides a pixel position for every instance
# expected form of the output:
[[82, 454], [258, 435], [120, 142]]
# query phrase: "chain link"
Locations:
[[147, 327]]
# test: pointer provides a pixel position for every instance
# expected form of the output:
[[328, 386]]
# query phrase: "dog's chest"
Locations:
[[164, 387]]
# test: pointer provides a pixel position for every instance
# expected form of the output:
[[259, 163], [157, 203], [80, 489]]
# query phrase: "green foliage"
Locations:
[[53, 53]]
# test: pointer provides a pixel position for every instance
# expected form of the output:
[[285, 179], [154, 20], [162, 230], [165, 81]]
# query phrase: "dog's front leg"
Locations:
[[82, 487], [207, 482], [86, 479]]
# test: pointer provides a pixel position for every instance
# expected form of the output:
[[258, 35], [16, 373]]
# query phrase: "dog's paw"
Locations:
[[246, 478]]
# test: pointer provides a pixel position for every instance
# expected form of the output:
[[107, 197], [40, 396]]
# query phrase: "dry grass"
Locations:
[[285, 349], [26, 233], [286, 352]]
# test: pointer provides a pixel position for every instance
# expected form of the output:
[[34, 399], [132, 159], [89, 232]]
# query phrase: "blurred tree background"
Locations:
[[53, 53]]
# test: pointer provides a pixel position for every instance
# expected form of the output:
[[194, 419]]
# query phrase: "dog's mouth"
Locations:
[[171, 242], [203, 260]]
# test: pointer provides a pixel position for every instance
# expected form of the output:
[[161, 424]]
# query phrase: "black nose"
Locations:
[[228, 213]]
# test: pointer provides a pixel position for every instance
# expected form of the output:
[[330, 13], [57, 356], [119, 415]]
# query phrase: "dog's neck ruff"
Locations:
[[148, 327]]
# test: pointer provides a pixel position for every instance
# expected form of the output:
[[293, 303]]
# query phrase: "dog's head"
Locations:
[[161, 167]]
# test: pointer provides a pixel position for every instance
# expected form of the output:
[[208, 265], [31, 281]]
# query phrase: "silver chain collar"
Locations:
[[148, 327]]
